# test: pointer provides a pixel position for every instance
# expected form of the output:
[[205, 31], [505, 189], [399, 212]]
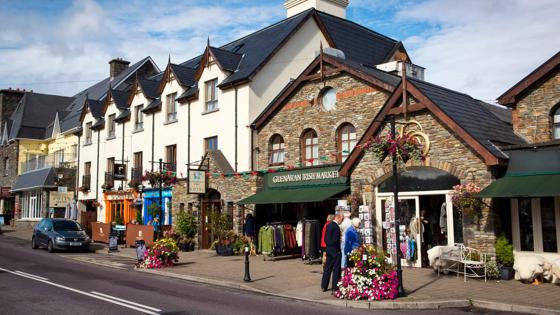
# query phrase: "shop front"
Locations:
[[152, 202], [120, 207], [297, 201]]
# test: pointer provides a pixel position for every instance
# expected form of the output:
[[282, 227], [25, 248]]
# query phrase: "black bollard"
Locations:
[[247, 277]]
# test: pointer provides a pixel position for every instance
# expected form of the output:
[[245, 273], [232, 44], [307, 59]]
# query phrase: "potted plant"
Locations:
[[504, 256], [405, 147], [185, 224], [464, 198], [84, 189]]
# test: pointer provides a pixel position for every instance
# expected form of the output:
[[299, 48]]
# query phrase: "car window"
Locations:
[[66, 226], [48, 224], [41, 224]]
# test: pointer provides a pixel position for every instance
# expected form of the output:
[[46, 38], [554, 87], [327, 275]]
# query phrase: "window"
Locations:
[[346, 141], [210, 144], [138, 161], [556, 124], [548, 222], [526, 226], [86, 178], [87, 168], [276, 150], [211, 95], [328, 99], [88, 133], [310, 148], [59, 158], [31, 204], [138, 117], [111, 127], [6, 166], [171, 107], [171, 157], [110, 165]]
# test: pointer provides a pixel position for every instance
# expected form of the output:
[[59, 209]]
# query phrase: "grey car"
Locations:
[[60, 234]]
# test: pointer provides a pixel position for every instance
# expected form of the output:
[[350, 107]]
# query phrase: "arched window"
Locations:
[[310, 148], [276, 150], [556, 124], [346, 140]]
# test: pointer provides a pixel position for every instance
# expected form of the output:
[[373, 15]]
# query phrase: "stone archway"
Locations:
[[383, 173]]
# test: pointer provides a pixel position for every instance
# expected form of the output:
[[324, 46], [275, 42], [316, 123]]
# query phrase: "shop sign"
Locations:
[[306, 177], [197, 182], [120, 196], [60, 199], [119, 172]]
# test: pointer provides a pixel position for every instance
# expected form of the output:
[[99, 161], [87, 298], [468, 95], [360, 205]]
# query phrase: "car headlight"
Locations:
[[87, 238], [60, 239]]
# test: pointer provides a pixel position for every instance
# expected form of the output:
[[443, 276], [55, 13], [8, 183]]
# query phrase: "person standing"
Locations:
[[352, 239], [330, 217], [332, 266], [346, 223], [250, 229]]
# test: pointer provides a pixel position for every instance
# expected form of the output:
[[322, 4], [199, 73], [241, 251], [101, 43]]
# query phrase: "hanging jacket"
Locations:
[[299, 233], [266, 240]]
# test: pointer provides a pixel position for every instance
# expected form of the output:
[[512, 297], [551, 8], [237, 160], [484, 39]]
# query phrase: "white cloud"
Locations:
[[482, 47]]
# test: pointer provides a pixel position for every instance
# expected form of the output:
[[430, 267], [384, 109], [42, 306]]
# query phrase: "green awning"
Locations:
[[544, 185], [294, 195]]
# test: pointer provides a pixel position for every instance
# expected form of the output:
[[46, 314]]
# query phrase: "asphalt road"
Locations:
[[36, 282]]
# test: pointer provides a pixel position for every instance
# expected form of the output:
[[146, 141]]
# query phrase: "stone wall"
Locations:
[[532, 118], [448, 153], [357, 103], [10, 152]]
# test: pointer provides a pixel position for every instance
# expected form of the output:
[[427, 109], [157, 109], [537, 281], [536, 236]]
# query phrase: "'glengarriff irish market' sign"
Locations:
[[305, 177]]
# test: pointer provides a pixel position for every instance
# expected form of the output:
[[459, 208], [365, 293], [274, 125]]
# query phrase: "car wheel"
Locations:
[[33, 243], [50, 246]]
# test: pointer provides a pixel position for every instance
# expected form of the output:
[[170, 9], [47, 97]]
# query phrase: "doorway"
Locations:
[[211, 204]]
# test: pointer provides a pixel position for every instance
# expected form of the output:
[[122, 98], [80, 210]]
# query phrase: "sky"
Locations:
[[479, 47]]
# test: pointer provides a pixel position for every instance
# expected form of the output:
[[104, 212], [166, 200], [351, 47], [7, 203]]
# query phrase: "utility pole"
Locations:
[[396, 207], [160, 229]]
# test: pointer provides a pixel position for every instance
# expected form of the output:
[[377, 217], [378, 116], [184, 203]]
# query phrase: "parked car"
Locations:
[[60, 234]]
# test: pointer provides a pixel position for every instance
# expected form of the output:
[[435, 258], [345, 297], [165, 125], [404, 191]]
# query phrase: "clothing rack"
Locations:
[[311, 240], [277, 239]]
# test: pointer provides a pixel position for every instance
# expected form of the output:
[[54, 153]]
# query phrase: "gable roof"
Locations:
[[34, 115], [357, 42], [511, 96], [226, 60], [464, 115], [149, 87], [373, 76]]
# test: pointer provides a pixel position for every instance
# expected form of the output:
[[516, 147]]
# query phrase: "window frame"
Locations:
[[537, 225], [276, 151], [111, 127], [138, 117], [341, 141], [171, 107], [88, 133], [207, 141], [556, 123], [171, 157], [211, 95], [314, 147]]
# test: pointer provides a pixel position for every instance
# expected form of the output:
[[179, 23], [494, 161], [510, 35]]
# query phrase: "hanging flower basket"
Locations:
[[154, 178], [464, 198], [406, 148]]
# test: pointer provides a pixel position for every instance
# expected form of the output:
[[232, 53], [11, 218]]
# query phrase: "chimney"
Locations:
[[333, 7], [116, 66]]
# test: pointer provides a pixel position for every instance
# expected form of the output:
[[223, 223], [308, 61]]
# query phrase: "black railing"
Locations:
[[136, 175]]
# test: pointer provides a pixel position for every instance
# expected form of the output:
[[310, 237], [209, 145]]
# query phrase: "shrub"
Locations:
[[139, 216], [164, 253], [492, 269], [185, 223], [504, 251]]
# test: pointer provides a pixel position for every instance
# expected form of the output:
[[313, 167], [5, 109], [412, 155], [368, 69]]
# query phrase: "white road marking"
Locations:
[[28, 274], [126, 301], [147, 311]]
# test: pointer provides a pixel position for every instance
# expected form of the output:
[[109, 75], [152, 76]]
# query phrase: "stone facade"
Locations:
[[9, 153], [532, 114], [357, 103], [448, 153]]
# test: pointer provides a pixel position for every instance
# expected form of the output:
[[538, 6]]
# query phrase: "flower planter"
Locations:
[[184, 247], [507, 273]]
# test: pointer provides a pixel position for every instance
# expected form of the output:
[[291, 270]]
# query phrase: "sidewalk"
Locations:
[[293, 279]]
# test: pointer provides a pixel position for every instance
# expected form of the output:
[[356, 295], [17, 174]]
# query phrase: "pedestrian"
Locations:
[[426, 237], [330, 217], [346, 223], [250, 228], [155, 224], [332, 242], [352, 238]]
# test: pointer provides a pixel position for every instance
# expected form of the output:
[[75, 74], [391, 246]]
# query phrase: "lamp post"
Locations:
[[394, 159], [160, 228]]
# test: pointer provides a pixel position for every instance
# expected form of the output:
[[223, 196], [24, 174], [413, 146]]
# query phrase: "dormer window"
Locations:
[[111, 127], [556, 124], [138, 118], [171, 107], [211, 95], [88, 133]]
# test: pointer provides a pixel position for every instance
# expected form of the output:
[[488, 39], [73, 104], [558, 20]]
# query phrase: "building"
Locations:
[[530, 187]]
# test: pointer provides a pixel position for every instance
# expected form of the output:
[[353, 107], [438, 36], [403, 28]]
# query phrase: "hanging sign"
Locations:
[[305, 177], [60, 199], [119, 172], [197, 182]]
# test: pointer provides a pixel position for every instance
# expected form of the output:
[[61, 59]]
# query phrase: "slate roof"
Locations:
[[154, 105], [40, 178], [357, 42], [503, 114], [189, 93], [220, 160], [35, 113], [149, 87], [184, 75], [123, 115], [120, 98], [228, 60], [98, 124], [473, 117]]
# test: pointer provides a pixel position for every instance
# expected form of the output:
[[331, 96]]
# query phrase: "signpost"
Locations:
[[197, 182], [60, 199], [119, 172]]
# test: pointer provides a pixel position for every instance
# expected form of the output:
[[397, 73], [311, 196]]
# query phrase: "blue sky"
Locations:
[[480, 47]]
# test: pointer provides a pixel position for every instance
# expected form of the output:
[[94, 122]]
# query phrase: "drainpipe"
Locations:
[[122, 154], [252, 148], [153, 139], [188, 143], [236, 129], [97, 166]]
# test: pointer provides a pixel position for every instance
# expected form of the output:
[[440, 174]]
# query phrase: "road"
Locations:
[[36, 282]]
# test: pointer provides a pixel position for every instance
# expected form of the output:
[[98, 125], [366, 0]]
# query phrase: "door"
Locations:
[[408, 226], [208, 208]]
